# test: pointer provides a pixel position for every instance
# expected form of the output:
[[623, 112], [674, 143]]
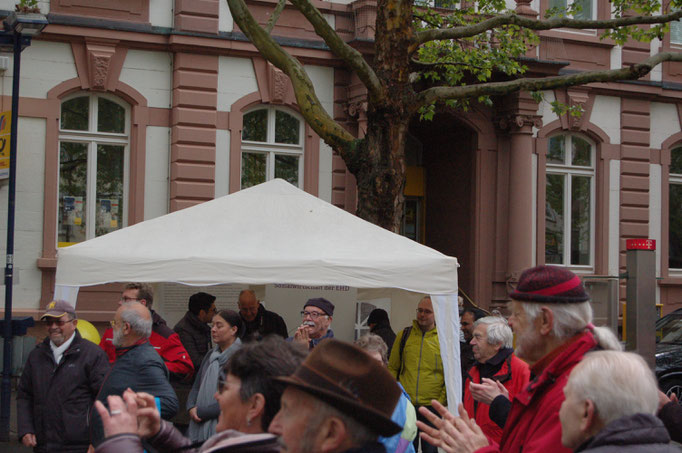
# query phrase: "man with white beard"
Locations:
[[137, 366], [552, 318]]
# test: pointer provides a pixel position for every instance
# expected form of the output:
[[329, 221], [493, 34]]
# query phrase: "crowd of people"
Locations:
[[225, 380]]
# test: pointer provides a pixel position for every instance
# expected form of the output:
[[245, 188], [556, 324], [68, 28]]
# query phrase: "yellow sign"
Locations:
[[5, 127]]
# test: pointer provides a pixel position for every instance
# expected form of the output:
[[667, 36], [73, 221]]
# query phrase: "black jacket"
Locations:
[[53, 400], [265, 323], [195, 336], [630, 434], [671, 416], [142, 369], [387, 334]]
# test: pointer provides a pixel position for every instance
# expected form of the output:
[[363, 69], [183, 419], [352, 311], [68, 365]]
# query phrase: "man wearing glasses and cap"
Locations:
[[59, 384], [317, 317]]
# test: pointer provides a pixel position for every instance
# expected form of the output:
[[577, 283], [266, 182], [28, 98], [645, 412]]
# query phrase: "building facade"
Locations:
[[136, 108]]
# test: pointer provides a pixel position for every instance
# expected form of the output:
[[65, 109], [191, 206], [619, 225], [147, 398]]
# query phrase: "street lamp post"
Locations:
[[19, 29]]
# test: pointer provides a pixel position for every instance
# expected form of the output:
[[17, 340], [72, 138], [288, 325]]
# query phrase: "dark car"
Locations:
[[669, 353]]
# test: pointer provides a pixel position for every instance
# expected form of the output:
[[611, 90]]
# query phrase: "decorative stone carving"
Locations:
[[577, 99], [279, 86], [99, 57], [515, 121], [356, 109], [365, 12]]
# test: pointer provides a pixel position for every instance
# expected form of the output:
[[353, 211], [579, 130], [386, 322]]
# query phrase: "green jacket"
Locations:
[[422, 371]]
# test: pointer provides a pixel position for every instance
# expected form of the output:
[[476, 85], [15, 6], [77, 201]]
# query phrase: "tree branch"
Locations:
[[275, 15], [444, 63], [311, 107], [635, 71], [540, 24], [339, 47]]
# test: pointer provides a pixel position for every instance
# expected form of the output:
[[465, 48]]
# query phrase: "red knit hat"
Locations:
[[549, 284]]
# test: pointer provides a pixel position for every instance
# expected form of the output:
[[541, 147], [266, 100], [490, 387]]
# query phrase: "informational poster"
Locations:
[[288, 300], [171, 299], [5, 127]]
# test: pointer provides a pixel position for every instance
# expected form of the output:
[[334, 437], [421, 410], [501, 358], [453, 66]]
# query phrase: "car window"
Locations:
[[671, 331]]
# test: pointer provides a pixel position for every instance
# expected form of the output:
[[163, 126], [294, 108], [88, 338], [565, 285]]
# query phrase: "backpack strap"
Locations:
[[403, 340]]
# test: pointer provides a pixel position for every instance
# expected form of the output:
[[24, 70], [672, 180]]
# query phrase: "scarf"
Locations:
[[209, 385]]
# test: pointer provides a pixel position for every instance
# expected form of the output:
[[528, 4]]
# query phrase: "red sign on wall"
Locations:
[[640, 244]]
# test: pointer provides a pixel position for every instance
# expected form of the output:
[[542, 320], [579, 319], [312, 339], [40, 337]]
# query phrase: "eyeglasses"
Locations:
[[312, 314], [113, 323], [128, 299], [424, 312], [57, 322]]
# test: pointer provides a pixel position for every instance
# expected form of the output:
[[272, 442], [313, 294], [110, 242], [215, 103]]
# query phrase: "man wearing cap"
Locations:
[[415, 361], [552, 319], [258, 321], [59, 384], [317, 317], [338, 400]]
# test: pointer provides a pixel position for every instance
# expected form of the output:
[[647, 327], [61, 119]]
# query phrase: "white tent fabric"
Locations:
[[270, 233]]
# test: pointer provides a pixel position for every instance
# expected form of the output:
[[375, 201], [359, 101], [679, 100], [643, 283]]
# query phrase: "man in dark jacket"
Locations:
[[137, 365], [610, 406], [193, 328], [163, 339], [59, 384], [259, 322], [379, 324]]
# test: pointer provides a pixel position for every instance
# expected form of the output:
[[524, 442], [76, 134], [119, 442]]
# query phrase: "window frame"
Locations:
[[568, 171], [92, 138], [270, 148], [673, 178]]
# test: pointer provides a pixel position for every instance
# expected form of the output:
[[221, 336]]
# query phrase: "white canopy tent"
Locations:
[[270, 233]]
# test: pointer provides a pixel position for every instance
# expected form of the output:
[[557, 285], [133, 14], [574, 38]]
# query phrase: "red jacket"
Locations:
[[167, 344], [533, 424], [514, 381]]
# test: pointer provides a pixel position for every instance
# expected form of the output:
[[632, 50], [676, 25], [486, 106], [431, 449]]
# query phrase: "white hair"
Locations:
[[498, 331], [139, 325], [618, 383], [571, 319]]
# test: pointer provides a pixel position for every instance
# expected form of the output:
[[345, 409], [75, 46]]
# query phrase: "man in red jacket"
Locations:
[[163, 339], [491, 343], [552, 320]]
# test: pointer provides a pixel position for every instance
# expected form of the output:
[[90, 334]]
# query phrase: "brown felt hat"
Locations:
[[348, 379]]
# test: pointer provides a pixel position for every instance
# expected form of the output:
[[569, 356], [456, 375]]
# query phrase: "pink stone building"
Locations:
[[135, 108]]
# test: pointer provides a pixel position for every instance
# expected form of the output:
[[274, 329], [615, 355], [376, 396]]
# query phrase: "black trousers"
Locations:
[[426, 447]]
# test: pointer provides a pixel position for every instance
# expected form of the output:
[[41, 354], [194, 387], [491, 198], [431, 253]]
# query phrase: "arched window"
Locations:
[[569, 207], [675, 210], [272, 147], [94, 137]]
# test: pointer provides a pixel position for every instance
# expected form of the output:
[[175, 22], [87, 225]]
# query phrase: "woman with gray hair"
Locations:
[[610, 406]]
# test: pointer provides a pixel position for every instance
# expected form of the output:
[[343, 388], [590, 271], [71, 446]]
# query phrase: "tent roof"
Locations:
[[270, 233]]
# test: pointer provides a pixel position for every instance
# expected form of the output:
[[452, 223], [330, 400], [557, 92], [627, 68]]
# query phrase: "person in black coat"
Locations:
[[58, 386], [380, 325], [258, 321]]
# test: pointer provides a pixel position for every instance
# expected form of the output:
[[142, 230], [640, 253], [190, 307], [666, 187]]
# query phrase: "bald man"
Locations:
[[137, 366]]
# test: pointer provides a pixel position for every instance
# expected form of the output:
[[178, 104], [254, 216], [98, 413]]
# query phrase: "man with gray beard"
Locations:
[[137, 365]]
